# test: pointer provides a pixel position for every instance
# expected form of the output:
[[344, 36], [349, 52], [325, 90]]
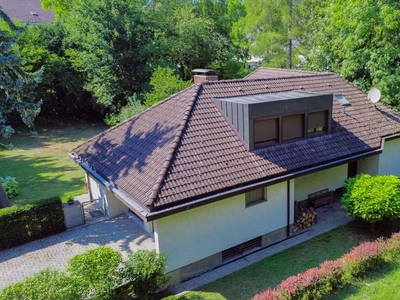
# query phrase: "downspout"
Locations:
[[288, 209]]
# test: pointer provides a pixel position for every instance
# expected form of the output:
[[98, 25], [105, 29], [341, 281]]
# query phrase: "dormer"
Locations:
[[274, 118]]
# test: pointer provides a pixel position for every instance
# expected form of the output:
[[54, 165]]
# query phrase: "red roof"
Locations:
[[184, 149], [27, 11]]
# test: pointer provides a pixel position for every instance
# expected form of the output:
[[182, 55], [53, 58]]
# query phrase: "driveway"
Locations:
[[120, 233]]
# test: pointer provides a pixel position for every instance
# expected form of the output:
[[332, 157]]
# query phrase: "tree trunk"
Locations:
[[4, 201], [289, 37]]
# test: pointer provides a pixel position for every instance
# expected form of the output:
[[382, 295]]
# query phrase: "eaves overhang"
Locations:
[[150, 215], [140, 210]]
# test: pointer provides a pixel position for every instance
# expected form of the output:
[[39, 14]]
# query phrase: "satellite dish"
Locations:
[[374, 95]]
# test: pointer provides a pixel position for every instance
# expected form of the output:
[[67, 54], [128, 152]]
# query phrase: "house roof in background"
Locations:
[[27, 11], [183, 148]]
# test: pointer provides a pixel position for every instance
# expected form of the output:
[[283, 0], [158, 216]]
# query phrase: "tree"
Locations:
[[359, 40], [16, 86], [372, 198], [271, 28], [61, 88], [164, 83], [111, 44]]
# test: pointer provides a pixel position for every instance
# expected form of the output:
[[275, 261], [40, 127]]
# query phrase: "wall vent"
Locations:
[[237, 250]]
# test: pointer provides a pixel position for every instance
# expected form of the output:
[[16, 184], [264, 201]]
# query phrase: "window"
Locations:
[[255, 197], [293, 127], [265, 132], [317, 122]]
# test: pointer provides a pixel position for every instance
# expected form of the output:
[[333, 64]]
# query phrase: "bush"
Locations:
[[372, 198], [47, 285], [98, 270], [146, 272], [11, 186], [22, 224], [316, 283]]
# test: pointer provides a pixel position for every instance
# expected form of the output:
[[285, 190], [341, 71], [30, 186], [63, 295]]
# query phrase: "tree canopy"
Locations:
[[16, 85], [359, 40]]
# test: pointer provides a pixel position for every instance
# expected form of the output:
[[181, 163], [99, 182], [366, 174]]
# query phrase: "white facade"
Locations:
[[195, 234], [111, 205], [389, 160], [332, 178], [386, 163]]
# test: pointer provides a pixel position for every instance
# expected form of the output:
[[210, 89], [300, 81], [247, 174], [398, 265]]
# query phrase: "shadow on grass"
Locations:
[[47, 135], [40, 177]]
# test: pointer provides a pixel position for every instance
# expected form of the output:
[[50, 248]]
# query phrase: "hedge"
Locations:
[[22, 224], [318, 282]]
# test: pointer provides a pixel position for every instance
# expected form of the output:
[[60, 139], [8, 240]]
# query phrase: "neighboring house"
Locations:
[[26, 11], [215, 170]]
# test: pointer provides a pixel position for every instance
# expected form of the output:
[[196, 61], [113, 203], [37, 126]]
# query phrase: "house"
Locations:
[[215, 169], [26, 11]]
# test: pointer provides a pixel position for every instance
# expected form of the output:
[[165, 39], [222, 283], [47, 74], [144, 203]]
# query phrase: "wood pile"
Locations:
[[303, 218]]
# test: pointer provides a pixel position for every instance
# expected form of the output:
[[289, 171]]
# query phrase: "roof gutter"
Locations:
[[233, 192], [123, 196]]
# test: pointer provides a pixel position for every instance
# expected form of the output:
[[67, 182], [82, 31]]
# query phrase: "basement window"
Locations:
[[293, 127], [266, 132], [255, 197], [317, 122]]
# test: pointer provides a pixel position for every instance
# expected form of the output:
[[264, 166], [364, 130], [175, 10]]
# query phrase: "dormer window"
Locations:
[[266, 132], [271, 118], [293, 127], [317, 122]]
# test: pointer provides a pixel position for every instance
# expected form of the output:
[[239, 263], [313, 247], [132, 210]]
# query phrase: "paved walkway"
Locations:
[[329, 217], [120, 233]]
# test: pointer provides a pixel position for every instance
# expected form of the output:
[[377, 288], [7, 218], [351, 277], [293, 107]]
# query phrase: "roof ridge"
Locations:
[[317, 74], [288, 70], [174, 145]]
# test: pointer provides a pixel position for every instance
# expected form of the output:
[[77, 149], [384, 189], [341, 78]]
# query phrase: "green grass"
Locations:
[[247, 282], [383, 283], [41, 164]]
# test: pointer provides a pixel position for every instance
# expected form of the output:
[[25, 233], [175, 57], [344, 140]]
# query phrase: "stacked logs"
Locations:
[[303, 218]]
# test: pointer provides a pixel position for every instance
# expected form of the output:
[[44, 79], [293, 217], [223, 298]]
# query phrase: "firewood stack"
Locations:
[[303, 218]]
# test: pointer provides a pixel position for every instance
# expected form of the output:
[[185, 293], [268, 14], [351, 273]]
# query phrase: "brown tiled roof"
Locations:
[[183, 148], [26, 11]]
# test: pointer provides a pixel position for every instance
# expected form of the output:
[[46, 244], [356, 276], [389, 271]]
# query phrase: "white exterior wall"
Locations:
[[389, 160], [332, 178], [112, 205], [195, 234], [369, 165]]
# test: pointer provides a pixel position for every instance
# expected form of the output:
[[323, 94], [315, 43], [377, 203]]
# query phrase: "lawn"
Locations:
[[41, 164], [383, 283], [247, 282]]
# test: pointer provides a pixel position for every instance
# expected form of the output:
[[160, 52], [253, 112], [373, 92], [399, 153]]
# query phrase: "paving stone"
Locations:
[[120, 233]]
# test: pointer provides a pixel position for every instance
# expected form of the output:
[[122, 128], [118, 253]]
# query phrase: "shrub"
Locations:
[[46, 285], [317, 282], [363, 258], [11, 186], [372, 198], [146, 272], [98, 270], [22, 224]]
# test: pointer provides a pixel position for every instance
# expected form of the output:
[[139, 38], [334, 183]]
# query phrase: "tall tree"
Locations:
[[16, 85], [111, 44], [272, 28], [359, 40]]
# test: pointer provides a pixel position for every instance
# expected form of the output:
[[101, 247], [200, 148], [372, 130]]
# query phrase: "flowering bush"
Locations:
[[10, 186], [363, 257], [317, 282]]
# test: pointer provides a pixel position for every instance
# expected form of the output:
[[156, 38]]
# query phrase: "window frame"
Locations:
[[251, 202]]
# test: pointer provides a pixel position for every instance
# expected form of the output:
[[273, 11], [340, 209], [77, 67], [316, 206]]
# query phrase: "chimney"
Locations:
[[201, 75]]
